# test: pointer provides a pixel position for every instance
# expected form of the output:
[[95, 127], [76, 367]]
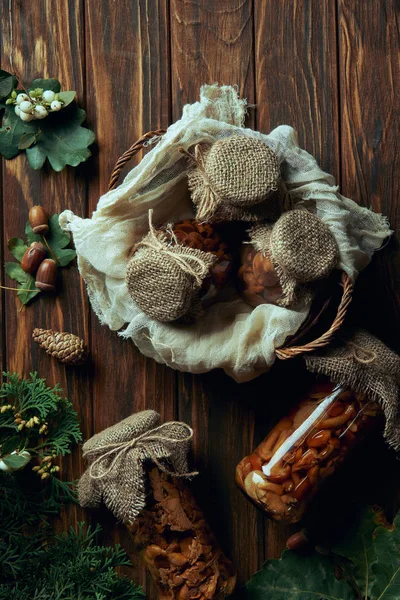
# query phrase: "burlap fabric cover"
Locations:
[[230, 176], [302, 250], [164, 278], [231, 335], [366, 365], [120, 456]]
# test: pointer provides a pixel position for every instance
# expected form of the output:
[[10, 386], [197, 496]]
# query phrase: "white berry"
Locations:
[[48, 96], [26, 116], [55, 105], [40, 112], [21, 97], [17, 111], [26, 106]]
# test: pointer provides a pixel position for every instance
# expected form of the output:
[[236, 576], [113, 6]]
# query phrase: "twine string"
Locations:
[[207, 205], [141, 441], [191, 264], [364, 356]]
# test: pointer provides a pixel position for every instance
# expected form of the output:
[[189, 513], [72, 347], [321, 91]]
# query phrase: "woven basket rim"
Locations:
[[290, 348]]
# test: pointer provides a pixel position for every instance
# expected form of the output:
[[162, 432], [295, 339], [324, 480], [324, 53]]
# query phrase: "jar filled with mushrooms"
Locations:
[[304, 448]]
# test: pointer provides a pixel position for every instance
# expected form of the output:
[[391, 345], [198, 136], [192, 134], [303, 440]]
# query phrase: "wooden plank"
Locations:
[[213, 41], [128, 90], [369, 79], [296, 83], [46, 43]]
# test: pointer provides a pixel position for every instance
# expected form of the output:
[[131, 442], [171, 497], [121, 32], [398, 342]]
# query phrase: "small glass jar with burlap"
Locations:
[[236, 178], [358, 381], [138, 468], [284, 263], [177, 270]]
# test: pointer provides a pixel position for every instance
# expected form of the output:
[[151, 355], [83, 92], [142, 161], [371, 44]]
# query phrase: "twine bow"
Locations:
[[141, 441], [206, 207], [189, 262]]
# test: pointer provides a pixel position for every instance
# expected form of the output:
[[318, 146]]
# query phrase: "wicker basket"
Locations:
[[291, 348]]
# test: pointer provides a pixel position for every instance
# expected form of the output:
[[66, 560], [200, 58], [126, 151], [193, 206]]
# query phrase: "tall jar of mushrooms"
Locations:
[[304, 448]]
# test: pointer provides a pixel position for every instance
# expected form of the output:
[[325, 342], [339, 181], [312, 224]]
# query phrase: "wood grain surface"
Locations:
[[331, 70]]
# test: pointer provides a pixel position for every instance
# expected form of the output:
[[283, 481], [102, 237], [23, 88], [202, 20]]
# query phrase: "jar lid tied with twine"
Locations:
[[230, 176], [119, 458], [367, 366], [302, 250], [164, 278]]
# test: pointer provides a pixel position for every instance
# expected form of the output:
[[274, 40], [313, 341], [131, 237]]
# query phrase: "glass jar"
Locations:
[[177, 544], [303, 449]]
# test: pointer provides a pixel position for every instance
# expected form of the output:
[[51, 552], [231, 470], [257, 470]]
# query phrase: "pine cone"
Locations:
[[203, 236], [65, 347]]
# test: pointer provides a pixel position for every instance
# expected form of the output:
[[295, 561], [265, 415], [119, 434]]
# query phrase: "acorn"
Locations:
[[39, 220], [46, 276], [33, 257], [297, 541]]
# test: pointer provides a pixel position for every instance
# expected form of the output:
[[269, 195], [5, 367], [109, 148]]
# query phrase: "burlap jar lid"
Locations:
[[303, 246], [234, 173], [164, 278], [119, 458], [362, 362], [302, 250]]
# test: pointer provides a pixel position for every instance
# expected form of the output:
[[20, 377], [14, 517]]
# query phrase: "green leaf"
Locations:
[[66, 98], [15, 461], [358, 547], [57, 239], [10, 445], [46, 84], [12, 131], [298, 577], [7, 83], [17, 247], [63, 141], [26, 140], [26, 281]]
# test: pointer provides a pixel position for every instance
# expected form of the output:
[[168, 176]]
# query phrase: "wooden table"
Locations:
[[330, 69]]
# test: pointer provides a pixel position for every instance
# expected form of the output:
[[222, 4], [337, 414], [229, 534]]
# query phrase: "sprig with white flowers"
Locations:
[[37, 105], [43, 121]]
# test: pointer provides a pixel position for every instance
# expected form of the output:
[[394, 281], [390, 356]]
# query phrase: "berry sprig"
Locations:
[[37, 104]]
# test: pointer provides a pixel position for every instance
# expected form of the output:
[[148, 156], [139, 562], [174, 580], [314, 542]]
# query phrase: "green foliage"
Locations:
[[36, 564], [368, 559], [7, 83], [56, 241], [59, 137], [25, 280], [56, 238], [36, 418]]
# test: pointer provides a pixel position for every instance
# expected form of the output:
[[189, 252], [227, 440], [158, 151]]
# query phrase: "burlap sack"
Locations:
[[120, 456], [164, 278], [363, 363], [231, 176], [301, 248]]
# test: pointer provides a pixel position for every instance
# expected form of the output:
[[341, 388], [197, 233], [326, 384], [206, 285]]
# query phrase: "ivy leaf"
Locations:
[[66, 98], [57, 240], [46, 84], [26, 281], [11, 132], [7, 83], [63, 141], [298, 577], [358, 547], [17, 247]]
